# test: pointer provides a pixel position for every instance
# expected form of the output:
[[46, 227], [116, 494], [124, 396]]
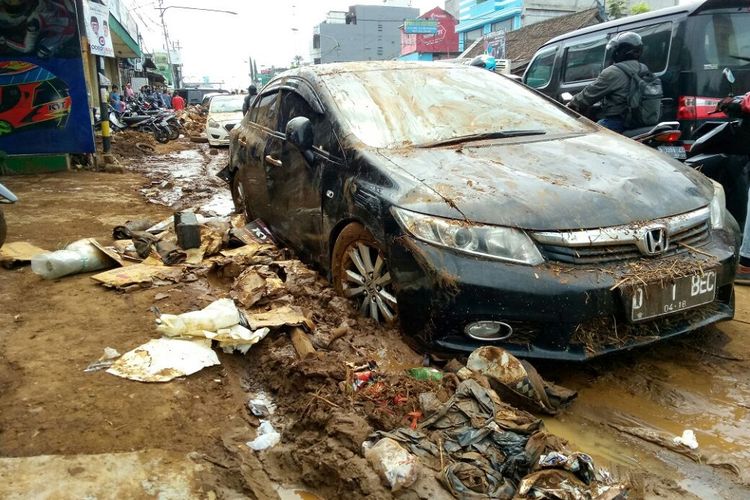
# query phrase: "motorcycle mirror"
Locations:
[[728, 75], [566, 96]]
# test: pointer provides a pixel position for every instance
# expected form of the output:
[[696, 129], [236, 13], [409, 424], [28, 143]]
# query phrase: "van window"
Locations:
[[584, 61], [540, 70], [725, 35], [656, 41]]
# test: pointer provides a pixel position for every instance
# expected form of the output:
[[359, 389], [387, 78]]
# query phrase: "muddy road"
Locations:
[[630, 405]]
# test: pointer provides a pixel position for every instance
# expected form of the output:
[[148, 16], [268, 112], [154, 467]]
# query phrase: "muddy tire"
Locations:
[[174, 133], [3, 228], [161, 136], [360, 273]]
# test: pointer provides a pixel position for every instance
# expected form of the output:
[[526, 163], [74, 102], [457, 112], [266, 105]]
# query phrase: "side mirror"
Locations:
[[728, 75], [299, 132]]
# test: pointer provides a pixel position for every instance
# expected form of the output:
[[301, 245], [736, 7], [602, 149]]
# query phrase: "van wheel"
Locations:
[[360, 273]]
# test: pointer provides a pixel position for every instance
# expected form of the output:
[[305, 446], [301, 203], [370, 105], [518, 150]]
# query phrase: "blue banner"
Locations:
[[44, 105]]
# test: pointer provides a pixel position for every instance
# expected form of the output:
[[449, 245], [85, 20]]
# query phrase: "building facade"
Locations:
[[481, 17], [442, 44], [363, 33]]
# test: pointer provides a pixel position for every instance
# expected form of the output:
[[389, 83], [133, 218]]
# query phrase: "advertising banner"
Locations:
[[161, 60], [494, 44], [96, 17], [420, 26], [44, 105]]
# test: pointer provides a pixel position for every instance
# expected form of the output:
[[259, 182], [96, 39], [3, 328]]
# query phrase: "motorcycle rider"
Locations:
[[612, 86]]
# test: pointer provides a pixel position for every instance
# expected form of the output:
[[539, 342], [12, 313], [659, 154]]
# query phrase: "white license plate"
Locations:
[[650, 301], [677, 152]]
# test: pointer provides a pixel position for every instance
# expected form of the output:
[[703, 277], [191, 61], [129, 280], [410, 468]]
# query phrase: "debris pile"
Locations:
[[133, 144], [194, 120]]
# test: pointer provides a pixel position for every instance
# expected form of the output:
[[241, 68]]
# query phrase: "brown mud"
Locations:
[[51, 330]]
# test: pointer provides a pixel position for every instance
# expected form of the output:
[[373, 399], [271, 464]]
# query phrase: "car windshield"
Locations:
[[226, 104], [423, 105]]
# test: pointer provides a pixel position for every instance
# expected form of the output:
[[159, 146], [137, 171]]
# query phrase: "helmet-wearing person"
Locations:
[[485, 61], [612, 86]]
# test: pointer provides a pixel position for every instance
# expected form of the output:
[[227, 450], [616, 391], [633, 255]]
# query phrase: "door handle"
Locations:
[[242, 141], [273, 161]]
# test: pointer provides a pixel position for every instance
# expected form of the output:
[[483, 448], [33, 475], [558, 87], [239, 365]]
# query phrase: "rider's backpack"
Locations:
[[644, 98]]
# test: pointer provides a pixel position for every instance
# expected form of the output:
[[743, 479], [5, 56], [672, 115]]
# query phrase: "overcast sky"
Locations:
[[219, 45]]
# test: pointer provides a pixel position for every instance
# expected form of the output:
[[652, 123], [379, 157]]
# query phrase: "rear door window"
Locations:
[[584, 60], [539, 73], [657, 39]]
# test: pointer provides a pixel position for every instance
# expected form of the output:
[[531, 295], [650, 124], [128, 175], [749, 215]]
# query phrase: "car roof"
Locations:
[[226, 97], [686, 9], [321, 70]]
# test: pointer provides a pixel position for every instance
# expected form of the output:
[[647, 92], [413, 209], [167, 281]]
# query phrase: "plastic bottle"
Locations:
[[78, 257]]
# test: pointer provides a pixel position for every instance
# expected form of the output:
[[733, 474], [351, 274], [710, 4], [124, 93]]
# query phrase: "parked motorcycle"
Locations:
[[155, 123], [664, 136], [6, 196], [722, 150]]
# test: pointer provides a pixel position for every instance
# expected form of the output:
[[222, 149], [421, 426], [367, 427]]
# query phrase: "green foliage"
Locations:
[[616, 9], [639, 8]]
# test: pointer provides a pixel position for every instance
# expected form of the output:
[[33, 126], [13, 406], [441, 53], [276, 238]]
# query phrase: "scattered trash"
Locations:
[[160, 296], [169, 252], [125, 231], [253, 232], [267, 437], [109, 357], [137, 275], [162, 360], [424, 373], [78, 257], [278, 317], [219, 321], [187, 229], [579, 464], [394, 464], [687, 439], [256, 284], [519, 377], [18, 253]]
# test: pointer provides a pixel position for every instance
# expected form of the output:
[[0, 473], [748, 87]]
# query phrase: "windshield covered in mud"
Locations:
[[226, 104], [422, 105]]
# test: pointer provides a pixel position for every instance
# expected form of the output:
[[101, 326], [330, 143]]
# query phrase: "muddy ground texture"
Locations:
[[187, 438]]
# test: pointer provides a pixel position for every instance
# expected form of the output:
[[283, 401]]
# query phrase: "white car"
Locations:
[[224, 112]]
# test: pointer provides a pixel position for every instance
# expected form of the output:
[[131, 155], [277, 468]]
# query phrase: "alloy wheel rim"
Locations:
[[369, 283]]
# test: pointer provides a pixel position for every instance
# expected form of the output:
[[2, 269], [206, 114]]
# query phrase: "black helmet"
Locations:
[[252, 90], [625, 46]]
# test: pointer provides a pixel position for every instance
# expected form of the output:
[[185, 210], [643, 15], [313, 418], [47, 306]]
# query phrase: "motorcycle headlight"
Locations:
[[502, 243], [213, 124], [718, 206]]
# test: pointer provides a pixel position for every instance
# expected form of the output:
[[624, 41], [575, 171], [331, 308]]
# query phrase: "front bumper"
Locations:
[[557, 311], [217, 136]]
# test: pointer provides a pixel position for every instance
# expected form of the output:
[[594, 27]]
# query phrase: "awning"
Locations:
[[123, 43]]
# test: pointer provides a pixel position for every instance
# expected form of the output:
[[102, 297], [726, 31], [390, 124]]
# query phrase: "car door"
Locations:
[[294, 181], [253, 137]]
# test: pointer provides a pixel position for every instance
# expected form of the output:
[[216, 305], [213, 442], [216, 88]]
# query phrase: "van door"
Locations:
[[582, 61]]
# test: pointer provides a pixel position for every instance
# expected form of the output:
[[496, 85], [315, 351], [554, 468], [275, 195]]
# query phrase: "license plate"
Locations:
[[677, 152], [650, 301]]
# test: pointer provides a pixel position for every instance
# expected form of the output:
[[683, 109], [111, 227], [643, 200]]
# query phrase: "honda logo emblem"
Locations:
[[655, 240]]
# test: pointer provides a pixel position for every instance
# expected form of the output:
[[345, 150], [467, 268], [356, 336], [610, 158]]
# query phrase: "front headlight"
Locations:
[[503, 243], [718, 205], [213, 124]]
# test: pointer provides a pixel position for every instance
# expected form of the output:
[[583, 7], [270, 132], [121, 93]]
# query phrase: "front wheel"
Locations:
[[360, 273], [174, 133], [161, 135]]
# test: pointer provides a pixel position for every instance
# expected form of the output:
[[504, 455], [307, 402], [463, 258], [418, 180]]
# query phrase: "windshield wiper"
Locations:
[[500, 134]]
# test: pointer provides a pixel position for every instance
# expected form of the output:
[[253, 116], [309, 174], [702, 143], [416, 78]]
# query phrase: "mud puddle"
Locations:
[[187, 179], [698, 382]]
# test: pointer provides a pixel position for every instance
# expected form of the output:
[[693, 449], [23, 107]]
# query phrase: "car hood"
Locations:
[[582, 182], [226, 117]]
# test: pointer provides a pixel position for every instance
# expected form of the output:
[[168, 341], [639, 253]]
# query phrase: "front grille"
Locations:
[[229, 126], [695, 236]]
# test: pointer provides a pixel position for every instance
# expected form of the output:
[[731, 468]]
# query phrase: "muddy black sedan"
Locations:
[[474, 211]]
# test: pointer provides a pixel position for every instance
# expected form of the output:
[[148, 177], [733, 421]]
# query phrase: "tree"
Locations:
[[639, 8], [616, 9], [297, 61]]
